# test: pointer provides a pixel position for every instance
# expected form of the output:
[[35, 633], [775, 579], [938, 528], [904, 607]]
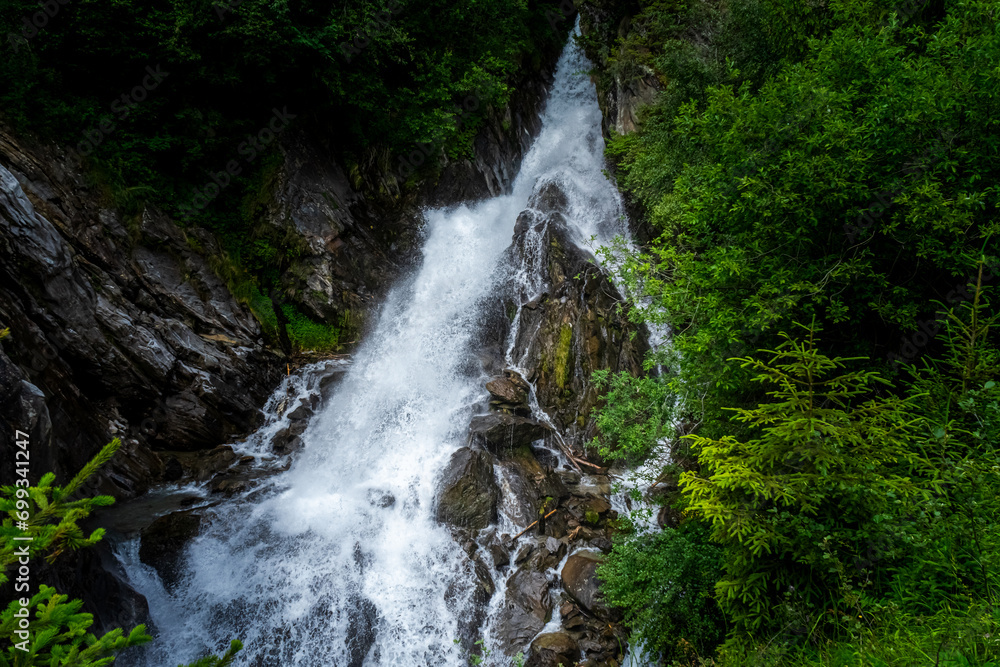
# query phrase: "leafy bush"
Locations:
[[665, 581]]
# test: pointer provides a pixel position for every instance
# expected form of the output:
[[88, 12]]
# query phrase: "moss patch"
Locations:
[[307, 334], [562, 359]]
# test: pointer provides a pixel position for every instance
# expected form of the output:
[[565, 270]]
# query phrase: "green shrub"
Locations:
[[665, 583]]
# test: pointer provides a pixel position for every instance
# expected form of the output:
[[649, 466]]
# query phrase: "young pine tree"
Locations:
[[829, 459]]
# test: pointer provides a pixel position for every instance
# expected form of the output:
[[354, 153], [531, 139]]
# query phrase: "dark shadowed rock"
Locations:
[[124, 332], [501, 433], [529, 484], [469, 493], [552, 650], [162, 544], [172, 470], [286, 442], [526, 609], [362, 621]]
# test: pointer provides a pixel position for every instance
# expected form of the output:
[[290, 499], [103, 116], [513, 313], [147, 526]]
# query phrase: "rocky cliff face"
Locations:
[[624, 88], [115, 330], [577, 325], [357, 226]]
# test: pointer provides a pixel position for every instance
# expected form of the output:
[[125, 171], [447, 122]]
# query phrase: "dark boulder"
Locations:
[[579, 578], [469, 493], [526, 609], [162, 544], [553, 649], [502, 433], [362, 621], [529, 484]]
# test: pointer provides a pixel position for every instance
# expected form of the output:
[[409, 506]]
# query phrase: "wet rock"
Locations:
[[549, 198], [524, 550], [546, 457], [590, 510], [362, 621], [501, 433], [552, 650], [286, 442], [162, 544], [529, 484], [526, 609], [543, 558], [485, 585], [471, 623], [572, 619], [505, 389], [202, 466], [577, 327], [498, 553], [601, 543], [229, 486], [302, 412], [380, 498], [469, 493], [172, 470], [579, 578], [509, 393]]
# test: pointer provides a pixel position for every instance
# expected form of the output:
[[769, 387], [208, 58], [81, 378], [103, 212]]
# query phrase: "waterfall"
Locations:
[[339, 560]]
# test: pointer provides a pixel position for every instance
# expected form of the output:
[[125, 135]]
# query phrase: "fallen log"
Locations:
[[533, 524]]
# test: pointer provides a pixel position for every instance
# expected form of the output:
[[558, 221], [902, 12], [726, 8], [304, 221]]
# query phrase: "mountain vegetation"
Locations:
[[822, 182]]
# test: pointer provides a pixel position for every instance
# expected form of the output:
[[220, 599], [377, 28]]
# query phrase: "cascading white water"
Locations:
[[321, 568]]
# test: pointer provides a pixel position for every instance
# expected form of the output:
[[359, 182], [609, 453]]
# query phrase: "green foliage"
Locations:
[[826, 459], [58, 635], [306, 334], [832, 163], [888, 637], [665, 581], [635, 418], [853, 185], [229, 64], [50, 514], [366, 80]]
